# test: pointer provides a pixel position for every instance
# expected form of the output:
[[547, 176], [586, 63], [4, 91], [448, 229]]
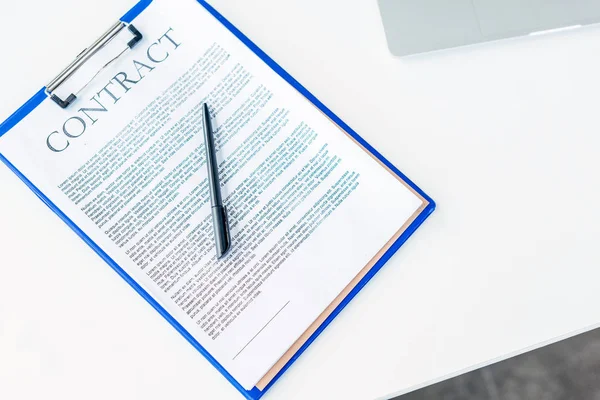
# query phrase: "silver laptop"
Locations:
[[417, 26]]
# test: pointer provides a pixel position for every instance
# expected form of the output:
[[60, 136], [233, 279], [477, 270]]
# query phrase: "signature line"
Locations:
[[261, 329]]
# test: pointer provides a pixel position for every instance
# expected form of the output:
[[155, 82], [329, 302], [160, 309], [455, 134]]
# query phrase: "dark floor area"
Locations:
[[568, 370]]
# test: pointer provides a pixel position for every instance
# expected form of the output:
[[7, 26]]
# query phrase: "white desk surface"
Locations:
[[505, 137]]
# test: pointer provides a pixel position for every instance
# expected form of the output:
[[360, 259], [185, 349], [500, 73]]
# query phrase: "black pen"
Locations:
[[219, 213]]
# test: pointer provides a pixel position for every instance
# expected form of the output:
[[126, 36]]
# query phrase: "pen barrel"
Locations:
[[221, 229], [211, 162]]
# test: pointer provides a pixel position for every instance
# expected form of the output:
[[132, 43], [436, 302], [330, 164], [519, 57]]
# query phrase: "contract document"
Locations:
[[310, 209]]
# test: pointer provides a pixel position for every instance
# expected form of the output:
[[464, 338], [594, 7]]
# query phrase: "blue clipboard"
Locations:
[[255, 393]]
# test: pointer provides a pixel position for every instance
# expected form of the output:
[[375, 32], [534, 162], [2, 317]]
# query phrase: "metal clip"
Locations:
[[85, 55]]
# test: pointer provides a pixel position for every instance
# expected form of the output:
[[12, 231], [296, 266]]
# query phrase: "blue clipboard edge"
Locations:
[[255, 393]]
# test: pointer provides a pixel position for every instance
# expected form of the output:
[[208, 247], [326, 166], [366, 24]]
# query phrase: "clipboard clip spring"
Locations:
[[85, 55]]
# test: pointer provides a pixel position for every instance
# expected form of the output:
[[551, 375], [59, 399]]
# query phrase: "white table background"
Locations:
[[504, 136]]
